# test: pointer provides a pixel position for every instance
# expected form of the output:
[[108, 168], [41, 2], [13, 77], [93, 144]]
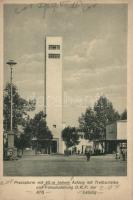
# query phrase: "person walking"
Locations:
[[88, 154], [123, 154]]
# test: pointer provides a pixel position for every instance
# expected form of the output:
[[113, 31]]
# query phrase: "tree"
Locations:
[[20, 108], [105, 114], [70, 136], [87, 123], [38, 128], [22, 141], [124, 115], [94, 121]]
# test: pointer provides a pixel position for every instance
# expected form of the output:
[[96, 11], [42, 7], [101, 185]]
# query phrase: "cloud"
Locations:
[[29, 82], [87, 47], [112, 89], [30, 65], [84, 56], [27, 58], [96, 54], [29, 74], [83, 74], [82, 53], [75, 58], [60, 25]]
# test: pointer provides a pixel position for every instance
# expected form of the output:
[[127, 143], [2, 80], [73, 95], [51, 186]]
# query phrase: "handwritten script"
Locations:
[[54, 6]]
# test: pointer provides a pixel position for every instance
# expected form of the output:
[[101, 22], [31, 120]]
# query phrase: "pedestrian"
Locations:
[[123, 155], [88, 155], [117, 155], [78, 152]]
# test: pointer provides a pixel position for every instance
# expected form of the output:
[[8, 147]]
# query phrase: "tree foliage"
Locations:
[[37, 127], [70, 136], [124, 115], [93, 122], [23, 141], [20, 108]]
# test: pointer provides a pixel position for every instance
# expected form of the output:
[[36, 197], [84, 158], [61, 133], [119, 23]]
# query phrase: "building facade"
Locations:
[[53, 95], [116, 136], [114, 141]]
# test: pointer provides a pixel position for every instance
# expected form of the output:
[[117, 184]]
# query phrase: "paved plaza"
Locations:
[[59, 165]]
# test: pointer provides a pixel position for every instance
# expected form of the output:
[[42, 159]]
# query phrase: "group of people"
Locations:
[[122, 154]]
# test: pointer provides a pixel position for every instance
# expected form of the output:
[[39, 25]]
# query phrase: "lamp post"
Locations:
[[34, 144], [11, 149]]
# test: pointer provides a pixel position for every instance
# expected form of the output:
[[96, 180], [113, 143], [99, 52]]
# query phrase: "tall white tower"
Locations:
[[54, 90]]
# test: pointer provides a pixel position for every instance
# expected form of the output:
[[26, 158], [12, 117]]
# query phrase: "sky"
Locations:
[[94, 53]]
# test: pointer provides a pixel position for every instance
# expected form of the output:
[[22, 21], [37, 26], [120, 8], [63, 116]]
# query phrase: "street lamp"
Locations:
[[34, 144], [11, 149]]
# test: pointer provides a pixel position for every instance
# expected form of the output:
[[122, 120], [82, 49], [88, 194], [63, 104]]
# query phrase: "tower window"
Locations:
[[55, 47], [54, 55]]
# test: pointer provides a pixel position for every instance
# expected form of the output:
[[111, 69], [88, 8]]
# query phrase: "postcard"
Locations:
[[66, 99]]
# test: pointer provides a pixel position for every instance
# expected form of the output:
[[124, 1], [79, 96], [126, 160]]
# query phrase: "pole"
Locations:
[[11, 150], [44, 44], [11, 96]]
